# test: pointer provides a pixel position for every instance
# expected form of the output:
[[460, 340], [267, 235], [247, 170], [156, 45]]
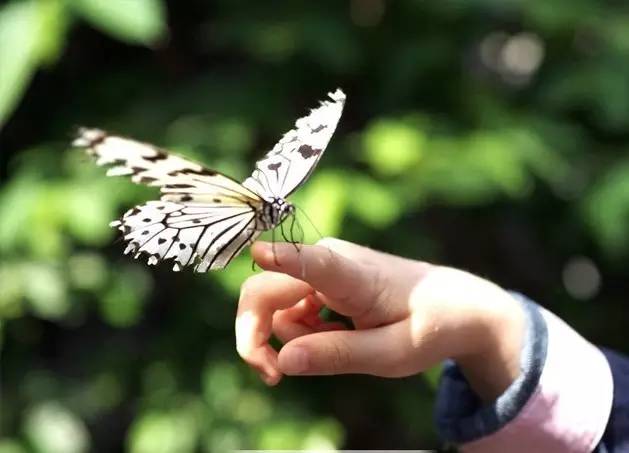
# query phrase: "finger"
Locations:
[[352, 288], [352, 251], [382, 351], [287, 331], [302, 319], [262, 295]]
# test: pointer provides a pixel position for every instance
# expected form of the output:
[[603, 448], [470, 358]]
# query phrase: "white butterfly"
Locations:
[[204, 217]]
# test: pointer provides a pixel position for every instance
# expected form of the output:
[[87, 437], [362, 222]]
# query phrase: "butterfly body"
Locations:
[[273, 213], [205, 218]]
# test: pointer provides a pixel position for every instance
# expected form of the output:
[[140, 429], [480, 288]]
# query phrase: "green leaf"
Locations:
[[394, 146], [323, 202], [52, 428], [606, 210], [164, 431], [122, 303], [18, 53], [46, 290], [377, 205], [133, 21]]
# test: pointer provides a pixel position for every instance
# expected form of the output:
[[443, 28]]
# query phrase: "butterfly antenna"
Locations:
[[315, 228], [295, 221], [311, 223]]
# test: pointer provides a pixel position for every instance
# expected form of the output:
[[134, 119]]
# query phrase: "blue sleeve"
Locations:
[[461, 417], [616, 437]]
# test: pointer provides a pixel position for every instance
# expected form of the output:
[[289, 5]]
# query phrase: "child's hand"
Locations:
[[408, 316]]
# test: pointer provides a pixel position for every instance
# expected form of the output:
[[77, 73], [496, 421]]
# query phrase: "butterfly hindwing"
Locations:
[[295, 156], [204, 236]]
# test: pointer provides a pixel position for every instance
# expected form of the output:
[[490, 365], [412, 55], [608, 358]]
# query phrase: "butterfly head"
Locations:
[[276, 211]]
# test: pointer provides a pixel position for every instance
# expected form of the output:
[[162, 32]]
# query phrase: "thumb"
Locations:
[[382, 351]]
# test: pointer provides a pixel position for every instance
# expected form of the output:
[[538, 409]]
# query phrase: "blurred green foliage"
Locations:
[[487, 135]]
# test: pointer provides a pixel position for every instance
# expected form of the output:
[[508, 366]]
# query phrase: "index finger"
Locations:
[[353, 286]]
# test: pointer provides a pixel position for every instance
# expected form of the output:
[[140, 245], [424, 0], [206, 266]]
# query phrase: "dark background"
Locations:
[[486, 135]]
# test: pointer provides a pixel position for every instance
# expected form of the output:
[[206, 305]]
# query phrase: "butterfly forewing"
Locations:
[[179, 179], [295, 156]]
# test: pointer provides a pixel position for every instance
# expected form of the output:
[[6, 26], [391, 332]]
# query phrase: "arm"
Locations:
[[412, 315]]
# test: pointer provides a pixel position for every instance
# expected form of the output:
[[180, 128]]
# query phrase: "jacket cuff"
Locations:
[[550, 407]]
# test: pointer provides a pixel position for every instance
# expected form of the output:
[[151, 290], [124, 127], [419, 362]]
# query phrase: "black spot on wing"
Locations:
[[148, 180], [161, 241], [203, 172], [318, 128], [274, 166], [308, 151], [159, 155], [178, 186], [186, 198], [192, 171]]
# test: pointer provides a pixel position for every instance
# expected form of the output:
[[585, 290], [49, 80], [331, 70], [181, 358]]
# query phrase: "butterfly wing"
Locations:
[[205, 236], [204, 218], [179, 179], [295, 156]]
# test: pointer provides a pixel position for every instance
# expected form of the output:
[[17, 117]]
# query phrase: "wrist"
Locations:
[[492, 362]]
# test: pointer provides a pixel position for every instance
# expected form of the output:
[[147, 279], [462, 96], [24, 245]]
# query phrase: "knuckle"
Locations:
[[378, 292], [380, 286], [340, 355], [252, 285]]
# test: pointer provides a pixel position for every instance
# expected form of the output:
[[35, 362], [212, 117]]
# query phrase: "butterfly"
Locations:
[[205, 218]]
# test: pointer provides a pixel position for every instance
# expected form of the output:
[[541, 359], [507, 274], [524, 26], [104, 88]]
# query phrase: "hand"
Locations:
[[408, 316]]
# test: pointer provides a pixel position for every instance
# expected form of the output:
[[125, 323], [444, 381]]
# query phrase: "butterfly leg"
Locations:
[[277, 263], [294, 222]]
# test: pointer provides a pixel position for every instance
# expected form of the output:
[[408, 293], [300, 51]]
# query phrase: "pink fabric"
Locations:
[[569, 409]]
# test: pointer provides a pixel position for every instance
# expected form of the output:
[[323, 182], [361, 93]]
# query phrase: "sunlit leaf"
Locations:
[[19, 31], [53, 428], [124, 298], [164, 432], [12, 284], [374, 203], [46, 290], [606, 210], [394, 146], [136, 21], [11, 446], [221, 386], [87, 271], [322, 203]]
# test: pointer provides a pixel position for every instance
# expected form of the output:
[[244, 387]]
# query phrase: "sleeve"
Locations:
[[616, 436], [561, 401]]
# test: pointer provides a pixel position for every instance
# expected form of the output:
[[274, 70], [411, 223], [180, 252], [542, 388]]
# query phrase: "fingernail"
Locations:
[[295, 361]]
